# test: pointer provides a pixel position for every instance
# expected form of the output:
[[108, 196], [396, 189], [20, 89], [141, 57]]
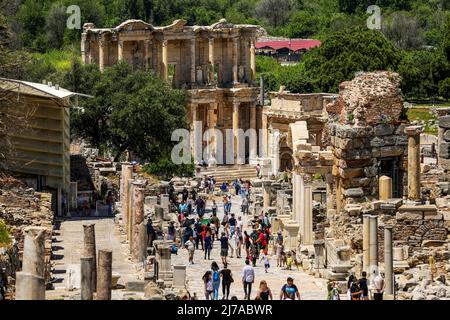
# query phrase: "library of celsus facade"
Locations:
[[215, 63]]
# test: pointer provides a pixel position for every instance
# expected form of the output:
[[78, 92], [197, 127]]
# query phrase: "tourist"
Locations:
[[229, 203], [185, 194], [193, 194], [289, 291], [208, 245], [266, 221], [225, 224], [333, 291], [190, 246], [379, 285], [233, 244], [214, 207], [151, 235], [224, 245], [200, 204], [232, 223], [261, 241], [247, 244], [265, 259], [216, 280], [224, 188], [240, 241], [264, 292], [208, 284], [350, 281], [237, 186], [3, 283], [279, 249], [199, 229], [355, 290], [215, 225], [289, 261], [240, 223], [244, 206], [248, 278], [171, 231], [364, 287], [258, 170], [254, 253], [227, 279]]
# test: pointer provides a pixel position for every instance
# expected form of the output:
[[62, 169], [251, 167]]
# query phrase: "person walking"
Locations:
[[364, 287], [350, 281], [232, 223], [190, 246], [227, 280], [239, 242], [214, 207], [265, 259], [208, 245], [247, 244], [333, 291], [216, 280], [355, 290], [208, 284], [198, 230], [244, 206], [215, 226], [258, 170], [279, 249], [264, 292], [224, 245], [289, 291], [248, 278], [233, 244]]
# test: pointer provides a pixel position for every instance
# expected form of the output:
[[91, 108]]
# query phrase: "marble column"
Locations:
[[193, 63], [237, 142], [120, 50], [196, 140], [385, 188], [413, 133], [388, 260], [297, 197], [253, 59], [308, 216], [165, 61], [212, 143], [87, 291], [275, 152], [29, 286], [34, 251], [133, 208], [101, 52], [235, 59], [139, 227], [211, 59], [264, 143], [147, 45], [127, 176], [366, 241], [104, 280], [90, 250], [373, 246], [253, 141]]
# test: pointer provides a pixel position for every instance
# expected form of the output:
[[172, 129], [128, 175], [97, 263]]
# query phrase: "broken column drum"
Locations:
[[34, 251], [104, 278], [139, 242], [413, 133], [87, 291]]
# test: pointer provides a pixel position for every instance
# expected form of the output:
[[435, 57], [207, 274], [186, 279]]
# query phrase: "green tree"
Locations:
[[444, 88], [131, 110], [55, 24]]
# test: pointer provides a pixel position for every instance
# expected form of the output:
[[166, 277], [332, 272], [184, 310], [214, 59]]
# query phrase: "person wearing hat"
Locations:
[[289, 291], [279, 249]]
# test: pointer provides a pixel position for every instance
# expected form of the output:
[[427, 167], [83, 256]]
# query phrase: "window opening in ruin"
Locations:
[[391, 167]]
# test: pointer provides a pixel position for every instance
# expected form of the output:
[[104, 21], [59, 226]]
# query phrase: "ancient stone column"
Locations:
[[104, 280], [147, 44], [297, 198], [366, 237], [101, 53], [90, 250], [275, 152], [385, 188], [193, 63], [264, 142], [127, 176], [235, 59], [29, 286], [373, 246], [253, 59], [87, 291], [196, 135], [388, 260], [413, 133], [139, 236], [211, 58], [212, 135], [253, 138], [266, 195], [165, 61], [237, 141], [120, 50], [83, 48], [34, 251], [308, 216], [134, 185]]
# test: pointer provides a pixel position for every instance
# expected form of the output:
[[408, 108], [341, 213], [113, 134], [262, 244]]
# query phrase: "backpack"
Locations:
[[216, 276]]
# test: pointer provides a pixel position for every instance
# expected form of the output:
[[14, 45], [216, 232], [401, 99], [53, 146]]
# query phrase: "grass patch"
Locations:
[[423, 114], [4, 234], [60, 60]]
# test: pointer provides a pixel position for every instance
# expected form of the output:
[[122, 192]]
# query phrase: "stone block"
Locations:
[[137, 285], [351, 173], [444, 122], [392, 151], [383, 130], [444, 150], [354, 192]]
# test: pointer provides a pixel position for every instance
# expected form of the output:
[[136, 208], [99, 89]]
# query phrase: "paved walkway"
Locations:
[[68, 248], [310, 288]]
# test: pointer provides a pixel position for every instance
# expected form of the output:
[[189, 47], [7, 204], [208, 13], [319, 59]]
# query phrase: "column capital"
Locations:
[[211, 40], [165, 42], [413, 130]]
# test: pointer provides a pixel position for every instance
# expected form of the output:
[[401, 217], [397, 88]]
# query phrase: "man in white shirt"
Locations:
[[248, 278], [190, 246], [379, 285]]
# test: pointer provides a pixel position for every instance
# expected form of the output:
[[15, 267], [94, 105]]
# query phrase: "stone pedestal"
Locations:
[[164, 198], [319, 254], [266, 195], [34, 251], [179, 276], [388, 260], [90, 250], [385, 188], [292, 236], [413, 133], [150, 203], [29, 286], [104, 280], [164, 258]]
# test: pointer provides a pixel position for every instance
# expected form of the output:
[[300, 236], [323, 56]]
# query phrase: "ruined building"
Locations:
[[215, 63]]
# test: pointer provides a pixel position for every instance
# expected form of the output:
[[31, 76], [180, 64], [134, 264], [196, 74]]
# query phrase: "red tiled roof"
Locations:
[[293, 45]]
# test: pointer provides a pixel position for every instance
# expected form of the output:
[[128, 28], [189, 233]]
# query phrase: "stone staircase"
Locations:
[[229, 173]]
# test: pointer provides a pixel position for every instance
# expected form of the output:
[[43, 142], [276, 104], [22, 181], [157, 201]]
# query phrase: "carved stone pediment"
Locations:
[[176, 26], [222, 24], [134, 25]]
